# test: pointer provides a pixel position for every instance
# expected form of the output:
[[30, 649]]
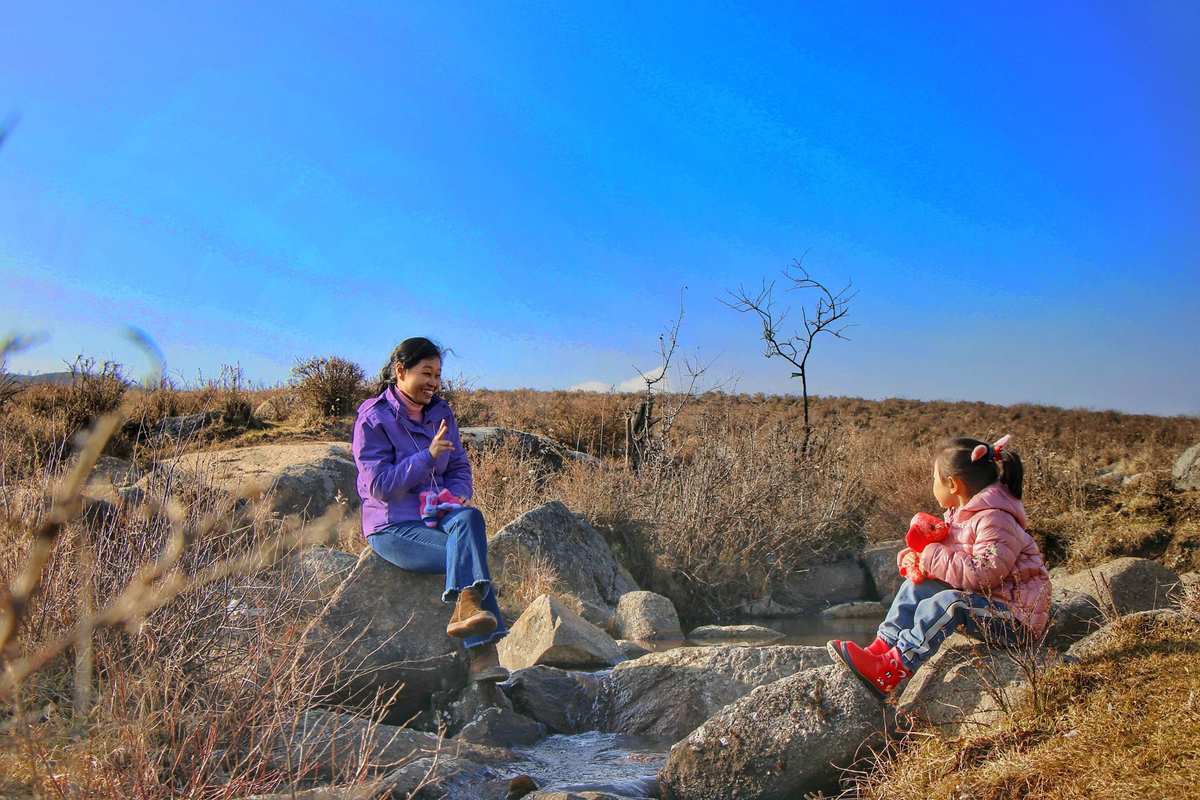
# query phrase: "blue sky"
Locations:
[[1013, 192]]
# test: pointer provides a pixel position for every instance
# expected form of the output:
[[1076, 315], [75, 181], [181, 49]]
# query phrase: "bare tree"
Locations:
[[827, 317], [647, 435]]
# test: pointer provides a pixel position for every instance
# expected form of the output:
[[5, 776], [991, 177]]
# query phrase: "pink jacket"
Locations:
[[988, 552]]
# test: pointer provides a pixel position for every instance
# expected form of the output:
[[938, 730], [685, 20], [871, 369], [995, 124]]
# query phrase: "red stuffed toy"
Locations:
[[922, 530]]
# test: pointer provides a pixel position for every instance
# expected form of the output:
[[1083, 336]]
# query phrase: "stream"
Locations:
[[627, 765]]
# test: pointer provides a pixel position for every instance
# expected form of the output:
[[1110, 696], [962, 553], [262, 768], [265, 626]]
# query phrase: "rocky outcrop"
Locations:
[[1185, 475], [549, 454], [821, 585], [563, 701], [646, 616], [783, 739], [549, 633], [576, 552], [1123, 585], [968, 686], [733, 633], [879, 560], [667, 695], [303, 478], [384, 632]]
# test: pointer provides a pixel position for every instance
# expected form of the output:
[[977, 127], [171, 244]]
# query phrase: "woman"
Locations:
[[411, 464]]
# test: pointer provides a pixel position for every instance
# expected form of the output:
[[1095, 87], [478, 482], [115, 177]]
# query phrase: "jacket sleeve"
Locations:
[[375, 456], [988, 562], [458, 470]]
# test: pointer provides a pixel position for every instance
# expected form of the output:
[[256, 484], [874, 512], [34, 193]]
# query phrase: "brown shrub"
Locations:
[[328, 386]]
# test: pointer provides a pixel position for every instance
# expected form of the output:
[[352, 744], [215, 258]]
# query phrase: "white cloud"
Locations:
[[591, 386]]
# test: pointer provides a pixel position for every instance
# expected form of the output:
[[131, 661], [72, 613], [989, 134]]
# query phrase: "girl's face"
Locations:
[[946, 489], [421, 381]]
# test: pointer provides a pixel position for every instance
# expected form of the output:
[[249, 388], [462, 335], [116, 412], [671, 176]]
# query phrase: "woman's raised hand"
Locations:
[[439, 444]]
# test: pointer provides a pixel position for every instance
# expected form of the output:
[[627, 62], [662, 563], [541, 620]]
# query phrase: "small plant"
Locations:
[[328, 386]]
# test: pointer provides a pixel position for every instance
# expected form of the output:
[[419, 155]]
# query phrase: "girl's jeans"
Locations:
[[924, 614], [457, 547]]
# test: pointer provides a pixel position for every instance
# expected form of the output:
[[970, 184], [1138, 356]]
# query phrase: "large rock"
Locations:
[[822, 585], [384, 632], [563, 701], [550, 633], [1123, 585], [879, 560], [303, 478], [1073, 615], [783, 739], [1129, 626], [549, 454], [706, 634], [1186, 473], [330, 747], [968, 686], [669, 694], [646, 616], [501, 727], [576, 551]]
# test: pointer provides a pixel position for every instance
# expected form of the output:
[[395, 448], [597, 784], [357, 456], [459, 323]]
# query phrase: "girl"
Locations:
[[414, 480], [986, 576]]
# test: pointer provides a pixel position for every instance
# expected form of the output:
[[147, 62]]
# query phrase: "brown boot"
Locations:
[[470, 618], [484, 664]]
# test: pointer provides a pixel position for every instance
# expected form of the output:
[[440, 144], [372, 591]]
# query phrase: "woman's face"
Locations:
[[421, 381]]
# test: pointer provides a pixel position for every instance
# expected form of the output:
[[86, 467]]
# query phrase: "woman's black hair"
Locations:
[[954, 459], [407, 354]]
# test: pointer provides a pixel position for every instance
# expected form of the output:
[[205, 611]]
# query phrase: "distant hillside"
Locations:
[[44, 377]]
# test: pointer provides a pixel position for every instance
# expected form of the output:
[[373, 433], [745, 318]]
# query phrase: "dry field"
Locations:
[[726, 504]]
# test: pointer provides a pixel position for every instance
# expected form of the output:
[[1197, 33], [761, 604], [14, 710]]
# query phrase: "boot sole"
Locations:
[[490, 675], [839, 654]]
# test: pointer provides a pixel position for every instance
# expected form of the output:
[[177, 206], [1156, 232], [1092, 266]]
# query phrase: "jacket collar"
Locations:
[[393, 401]]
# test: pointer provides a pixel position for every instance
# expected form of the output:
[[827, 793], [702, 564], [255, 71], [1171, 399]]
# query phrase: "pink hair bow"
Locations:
[[982, 449]]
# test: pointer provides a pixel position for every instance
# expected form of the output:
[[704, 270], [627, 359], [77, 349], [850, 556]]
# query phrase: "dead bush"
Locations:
[[328, 386]]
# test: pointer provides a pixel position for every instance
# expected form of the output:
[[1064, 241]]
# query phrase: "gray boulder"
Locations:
[[305, 478], [181, 427], [501, 727], [1123, 585], [1105, 638], [550, 633], [330, 747], [1185, 475], [822, 585], [563, 701], [384, 632], [667, 695], [783, 739], [733, 633], [646, 616], [862, 609], [549, 454], [577, 552], [968, 686], [879, 560], [1073, 615]]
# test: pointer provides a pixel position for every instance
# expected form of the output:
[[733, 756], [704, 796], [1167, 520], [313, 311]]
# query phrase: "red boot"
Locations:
[[878, 647], [880, 673]]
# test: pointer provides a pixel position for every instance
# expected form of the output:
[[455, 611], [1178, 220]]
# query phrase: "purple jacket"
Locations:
[[394, 464]]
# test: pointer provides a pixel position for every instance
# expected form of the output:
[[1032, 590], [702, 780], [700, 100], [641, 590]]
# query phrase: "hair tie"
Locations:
[[999, 445]]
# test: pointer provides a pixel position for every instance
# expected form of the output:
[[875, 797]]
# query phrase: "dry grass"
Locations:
[[1122, 723]]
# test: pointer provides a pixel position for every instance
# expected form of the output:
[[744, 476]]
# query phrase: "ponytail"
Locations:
[[407, 354], [1012, 472]]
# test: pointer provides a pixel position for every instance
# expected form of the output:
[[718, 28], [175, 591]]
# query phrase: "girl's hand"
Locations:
[[910, 567], [439, 444]]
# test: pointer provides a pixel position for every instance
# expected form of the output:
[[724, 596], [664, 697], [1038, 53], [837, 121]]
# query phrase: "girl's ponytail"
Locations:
[[1012, 472]]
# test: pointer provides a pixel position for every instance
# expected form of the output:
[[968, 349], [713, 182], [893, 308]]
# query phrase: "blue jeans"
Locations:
[[457, 547], [924, 614]]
